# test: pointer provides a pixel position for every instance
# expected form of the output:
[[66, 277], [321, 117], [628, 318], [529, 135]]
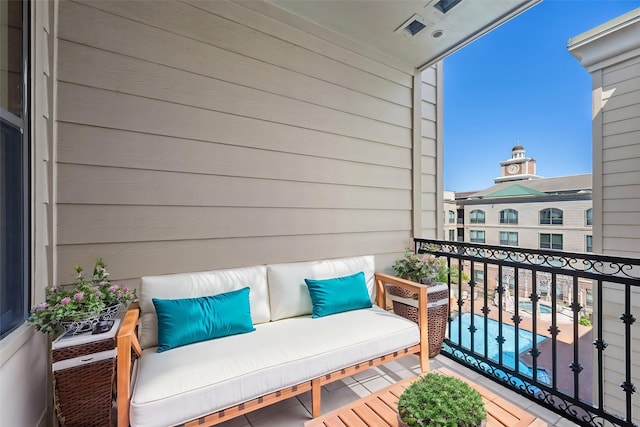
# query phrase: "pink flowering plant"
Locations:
[[83, 299], [111, 294], [415, 267]]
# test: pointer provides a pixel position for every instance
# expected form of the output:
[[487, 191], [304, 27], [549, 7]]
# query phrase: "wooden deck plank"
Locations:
[[368, 416], [505, 417], [387, 414], [352, 420]]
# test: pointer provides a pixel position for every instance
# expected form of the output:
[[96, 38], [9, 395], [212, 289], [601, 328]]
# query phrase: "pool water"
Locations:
[[528, 306], [509, 352]]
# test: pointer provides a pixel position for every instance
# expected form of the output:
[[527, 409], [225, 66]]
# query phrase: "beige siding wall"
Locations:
[[203, 135], [617, 149], [24, 367], [620, 158], [430, 167]]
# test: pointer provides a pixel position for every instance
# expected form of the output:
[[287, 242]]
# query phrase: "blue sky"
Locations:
[[520, 84]]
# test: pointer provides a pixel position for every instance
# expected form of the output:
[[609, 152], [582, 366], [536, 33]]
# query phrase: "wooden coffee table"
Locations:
[[379, 409]]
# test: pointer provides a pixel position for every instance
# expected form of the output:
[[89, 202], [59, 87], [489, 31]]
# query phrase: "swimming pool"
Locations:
[[509, 352], [528, 306]]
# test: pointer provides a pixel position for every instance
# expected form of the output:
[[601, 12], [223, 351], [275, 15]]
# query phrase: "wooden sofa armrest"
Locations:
[[127, 341], [421, 290]]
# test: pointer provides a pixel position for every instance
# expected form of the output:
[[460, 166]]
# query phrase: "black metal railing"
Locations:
[[556, 327]]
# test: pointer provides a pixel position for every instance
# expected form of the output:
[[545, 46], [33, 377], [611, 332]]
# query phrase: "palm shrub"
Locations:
[[440, 400]]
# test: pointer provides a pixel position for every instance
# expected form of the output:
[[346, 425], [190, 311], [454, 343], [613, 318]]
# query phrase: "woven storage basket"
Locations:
[[83, 394], [437, 312], [82, 350]]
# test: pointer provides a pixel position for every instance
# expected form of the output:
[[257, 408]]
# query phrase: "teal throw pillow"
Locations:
[[189, 320], [330, 296]]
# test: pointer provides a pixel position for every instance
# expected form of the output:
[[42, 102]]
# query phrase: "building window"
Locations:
[[452, 235], [509, 238], [478, 276], [551, 216], [14, 166], [452, 217], [476, 236], [509, 216], [589, 217], [550, 241], [476, 217], [589, 243]]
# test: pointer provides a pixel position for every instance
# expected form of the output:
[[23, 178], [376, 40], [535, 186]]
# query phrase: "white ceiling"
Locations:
[[373, 23]]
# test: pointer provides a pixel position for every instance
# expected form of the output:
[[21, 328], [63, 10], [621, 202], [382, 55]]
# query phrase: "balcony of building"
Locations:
[[179, 136]]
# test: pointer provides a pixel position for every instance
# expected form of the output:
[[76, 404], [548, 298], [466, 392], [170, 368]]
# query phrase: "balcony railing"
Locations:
[[554, 326]]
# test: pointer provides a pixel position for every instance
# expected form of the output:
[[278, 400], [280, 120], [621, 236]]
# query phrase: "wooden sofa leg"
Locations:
[[316, 389], [424, 361]]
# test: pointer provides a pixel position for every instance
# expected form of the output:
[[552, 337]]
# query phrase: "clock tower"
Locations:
[[518, 167]]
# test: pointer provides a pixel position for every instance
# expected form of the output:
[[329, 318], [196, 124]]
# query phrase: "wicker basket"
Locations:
[[437, 312], [83, 394], [82, 350]]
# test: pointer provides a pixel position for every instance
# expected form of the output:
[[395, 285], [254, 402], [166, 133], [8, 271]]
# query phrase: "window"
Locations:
[[14, 166], [509, 216], [452, 217], [551, 216], [550, 241], [476, 236], [589, 217], [509, 238], [476, 217], [478, 276], [452, 235], [589, 243]]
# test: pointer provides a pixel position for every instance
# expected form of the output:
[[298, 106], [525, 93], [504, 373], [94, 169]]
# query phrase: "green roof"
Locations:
[[515, 190]]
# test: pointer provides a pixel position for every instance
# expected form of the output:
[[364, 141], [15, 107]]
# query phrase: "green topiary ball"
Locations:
[[440, 400]]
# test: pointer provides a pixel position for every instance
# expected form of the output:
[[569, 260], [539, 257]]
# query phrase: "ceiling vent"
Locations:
[[445, 6], [413, 26]]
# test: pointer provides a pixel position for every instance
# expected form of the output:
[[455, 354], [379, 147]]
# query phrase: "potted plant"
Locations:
[[432, 271], [440, 400], [114, 296], [81, 305]]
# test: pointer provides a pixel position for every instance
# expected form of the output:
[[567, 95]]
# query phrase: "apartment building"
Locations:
[[525, 210]]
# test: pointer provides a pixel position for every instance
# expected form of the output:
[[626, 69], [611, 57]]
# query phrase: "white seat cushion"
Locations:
[[288, 293], [198, 379], [200, 284]]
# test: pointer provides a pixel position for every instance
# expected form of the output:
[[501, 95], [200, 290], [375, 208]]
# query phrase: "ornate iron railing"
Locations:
[[556, 327]]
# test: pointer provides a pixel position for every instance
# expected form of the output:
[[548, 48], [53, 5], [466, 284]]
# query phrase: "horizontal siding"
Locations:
[[396, 72], [620, 158], [148, 258], [192, 156], [428, 162], [620, 195], [117, 223], [113, 71], [194, 136], [82, 184], [171, 26]]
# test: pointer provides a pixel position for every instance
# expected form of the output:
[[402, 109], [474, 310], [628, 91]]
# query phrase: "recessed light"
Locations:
[[437, 33]]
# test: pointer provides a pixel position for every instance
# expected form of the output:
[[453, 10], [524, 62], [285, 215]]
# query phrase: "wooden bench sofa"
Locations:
[[287, 352]]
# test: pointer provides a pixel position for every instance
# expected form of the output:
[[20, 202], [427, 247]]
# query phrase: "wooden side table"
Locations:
[[83, 374]]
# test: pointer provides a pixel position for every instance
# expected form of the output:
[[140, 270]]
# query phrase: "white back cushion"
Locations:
[[192, 285], [288, 293]]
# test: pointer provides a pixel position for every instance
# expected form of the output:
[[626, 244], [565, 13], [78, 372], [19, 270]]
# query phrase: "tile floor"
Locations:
[[297, 410]]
